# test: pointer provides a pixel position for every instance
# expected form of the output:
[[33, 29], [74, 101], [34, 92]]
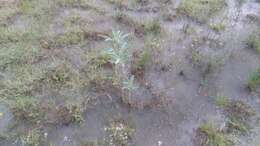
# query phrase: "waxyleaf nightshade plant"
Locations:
[[116, 57], [118, 53]]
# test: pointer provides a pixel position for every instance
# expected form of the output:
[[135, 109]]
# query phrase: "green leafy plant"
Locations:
[[118, 52]]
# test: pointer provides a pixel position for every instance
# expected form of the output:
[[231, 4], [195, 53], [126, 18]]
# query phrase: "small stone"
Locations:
[[159, 143]]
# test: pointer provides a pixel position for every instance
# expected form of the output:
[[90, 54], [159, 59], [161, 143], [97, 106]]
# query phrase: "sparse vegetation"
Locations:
[[69, 38], [218, 27], [200, 9], [222, 101], [209, 135], [253, 42], [208, 64], [239, 115], [119, 134], [153, 27], [254, 81], [138, 65]]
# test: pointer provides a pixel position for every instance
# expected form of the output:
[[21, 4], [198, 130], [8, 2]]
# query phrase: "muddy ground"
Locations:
[[193, 62]]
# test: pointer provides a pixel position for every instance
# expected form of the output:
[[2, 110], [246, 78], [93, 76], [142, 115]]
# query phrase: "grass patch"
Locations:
[[27, 109], [208, 135], [35, 8], [68, 114], [253, 42], [201, 10], [61, 76], [153, 27], [7, 12], [206, 63], [10, 34], [254, 81], [17, 53], [239, 114], [218, 27], [20, 81], [73, 37], [222, 101], [139, 62]]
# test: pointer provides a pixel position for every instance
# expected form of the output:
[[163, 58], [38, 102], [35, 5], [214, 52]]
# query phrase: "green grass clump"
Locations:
[[253, 42], [7, 12], [141, 60], [29, 36], [17, 53], [35, 8], [68, 114], [218, 27], [222, 101], [61, 76], [10, 34], [239, 114], [254, 81], [209, 135], [153, 27], [27, 109], [20, 81], [69, 38], [201, 10]]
